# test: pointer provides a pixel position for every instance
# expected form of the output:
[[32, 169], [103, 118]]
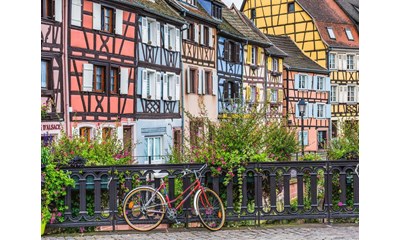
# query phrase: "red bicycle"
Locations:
[[145, 207]]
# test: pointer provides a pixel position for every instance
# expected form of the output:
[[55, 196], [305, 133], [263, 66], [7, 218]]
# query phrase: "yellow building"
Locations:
[[326, 34]]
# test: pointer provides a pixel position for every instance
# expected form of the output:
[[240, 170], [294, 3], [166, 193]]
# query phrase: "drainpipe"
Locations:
[[182, 94], [329, 96], [65, 69], [241, 93]]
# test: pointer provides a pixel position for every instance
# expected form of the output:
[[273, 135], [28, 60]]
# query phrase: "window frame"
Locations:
[[48, 12], [275, 65], [116, 80], [349, 34], [194, 73], [111, 19], [352, 56], [253, 54], [334, 61], [290, 7], [331, 33], [348, 94], [206, 33], [306, 143], [49, 75], [191, 32], [320, 110], [155, 158], [274, 95], [216, 11], [253, 14], [86, 133], [103, 78], [320, 82], [334, 93], [305, 78], [208, 82]]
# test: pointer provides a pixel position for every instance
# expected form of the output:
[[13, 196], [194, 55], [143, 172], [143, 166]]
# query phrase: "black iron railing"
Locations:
[[269, 191]]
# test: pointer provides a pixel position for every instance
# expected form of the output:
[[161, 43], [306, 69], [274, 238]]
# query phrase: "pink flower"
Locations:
[[81, 229], [223, 162], [58, 214], [213, 163], [231, 173], [52, 219], [340, 204], [219, 169], [72, 152]]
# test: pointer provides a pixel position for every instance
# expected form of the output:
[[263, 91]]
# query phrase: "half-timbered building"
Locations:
[[305, 79], [326, 34], [101, 67], [52, 69], [158, 85], [200, 82]]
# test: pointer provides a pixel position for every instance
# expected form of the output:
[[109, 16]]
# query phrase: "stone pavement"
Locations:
[[284, 232]]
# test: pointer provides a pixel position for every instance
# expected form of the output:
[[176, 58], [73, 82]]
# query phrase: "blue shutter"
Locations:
[[305, 138], [297, 110], [315, 108], [309, 82], [296, 81], [328, 110], [314, 79], [327, 84]]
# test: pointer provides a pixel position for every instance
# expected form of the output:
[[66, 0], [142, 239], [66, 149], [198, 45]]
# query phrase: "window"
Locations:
[[305, 137], [193, 80], [274, 95], [332, 60], [191, 32], [177, 140], [253, 55], [331, 33], [290, 7], [320, 83], [231, 51], [114, 80], [106, 132], [84, 132], [231, 90], [208, 82], [321, 139], [99, 78], [107, 19], [206, 36], [302, 82], [350, 62], [320, 110], [216, 11], [253, 15], [253, 94], [334, 93], [275, 65], [48, 9], [170, 38], [153, 147], [351, 94], [349, 35], [45, 83]]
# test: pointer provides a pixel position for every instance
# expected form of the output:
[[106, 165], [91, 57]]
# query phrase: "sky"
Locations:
[[238, 3]]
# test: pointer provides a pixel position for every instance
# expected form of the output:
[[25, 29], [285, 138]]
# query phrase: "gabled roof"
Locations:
[[327, 13], [351, 8], [161, 8], [296, 59], [195, 11]]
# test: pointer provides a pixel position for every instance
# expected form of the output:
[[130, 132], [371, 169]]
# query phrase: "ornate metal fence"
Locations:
[[268, 191]]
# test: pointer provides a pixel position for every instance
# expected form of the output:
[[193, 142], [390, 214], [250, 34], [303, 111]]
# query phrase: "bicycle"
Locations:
[[144, 207]]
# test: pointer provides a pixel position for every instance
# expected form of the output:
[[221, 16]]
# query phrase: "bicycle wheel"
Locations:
[[144, 208], [211, 210]]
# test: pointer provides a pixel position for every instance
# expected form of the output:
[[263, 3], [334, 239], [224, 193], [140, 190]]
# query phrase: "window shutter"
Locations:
[[258, 94], [260, 55], [280, 95], [297, 113], [226, 92], [345, 92], [248, 93], [196, 33], [309, 110], [166, 44], [124, 80], [215, 82], [315, 110], [248, 57], [177, 87], [188, 80], [344, 62], [165, 86], [305, 134], [356, 63], [58, 10], [327, 110], [296, 81], [269, 95], [144, 30], [356, 93], [172, 88], [144, 83], [76, 13], [178, 40], [280, 65], [339, 62], [119, 14], [87, 77], [185, 32], [336, 61], [152, 81], [96, 16], [226, 54], [200, 82], [314, 79], [210, 37], [327, 84], [201, 34], [237, 52], [204, 82], [158, 86], [157, 31], [309, 82]]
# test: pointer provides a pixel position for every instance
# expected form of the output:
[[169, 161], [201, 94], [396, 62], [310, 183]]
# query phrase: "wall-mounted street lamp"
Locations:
[[302, 109]]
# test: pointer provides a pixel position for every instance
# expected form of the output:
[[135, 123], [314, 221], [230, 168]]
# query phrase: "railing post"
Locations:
[[328, 189]]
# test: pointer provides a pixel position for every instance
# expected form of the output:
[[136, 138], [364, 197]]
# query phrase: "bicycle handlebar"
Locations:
[[188, 171]]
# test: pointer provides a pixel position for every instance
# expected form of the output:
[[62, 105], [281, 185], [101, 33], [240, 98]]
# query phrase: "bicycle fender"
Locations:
[[195, 200], [143, 187]]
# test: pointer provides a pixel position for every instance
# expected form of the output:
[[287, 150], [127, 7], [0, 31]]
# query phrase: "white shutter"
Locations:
[[210, 38], [356, 94], [336, 61], [202, 34], [166, 44], [185, 32], [356, 62], [58, 10], [119, 14], [297, 112], [327, 110], [344, 61], [124, 80], [309, 82], [177, 40], [196, 33], [296, 81], [203, 87], [315, 109], [158, 37], [152, 81], [188, 80], [172, 88], [340, 62], [314, 79], [144, 83], [158, 86], [309, 109], [144, 30], [165, 86], [87, 77], [76, 13], [177, 87], [305, 134], [96, 16], [215, 83], [327, 84], [199, 82]]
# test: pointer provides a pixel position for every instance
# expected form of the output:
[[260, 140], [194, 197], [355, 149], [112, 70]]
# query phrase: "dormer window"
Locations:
[[291, 7], [331, 33], [349, 35], [216, 11]]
